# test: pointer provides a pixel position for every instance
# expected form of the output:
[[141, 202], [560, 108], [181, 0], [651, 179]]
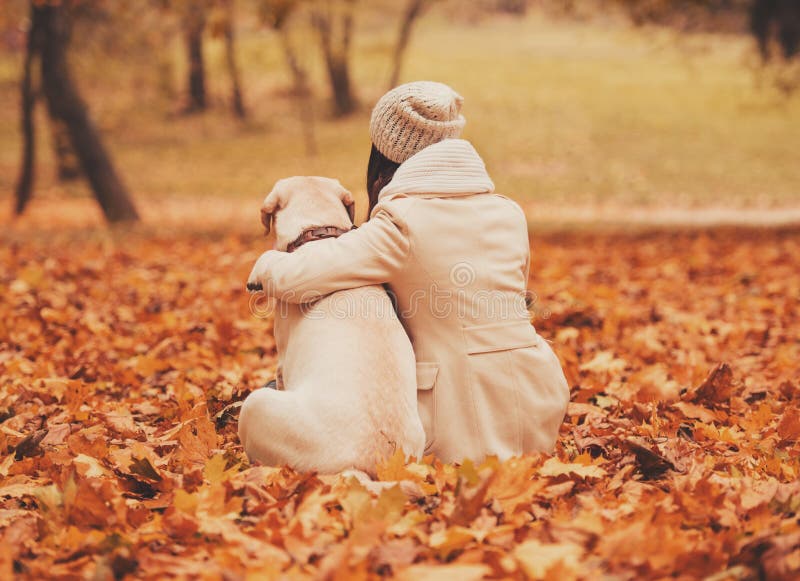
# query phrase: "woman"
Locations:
[[455, 257]]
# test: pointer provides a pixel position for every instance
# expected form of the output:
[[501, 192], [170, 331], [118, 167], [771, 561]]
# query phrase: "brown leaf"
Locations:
[[443, 573], [397, 553], [789, 425], [695, 412], [717, 387], [470, 502], [56, 435], [554, 467], [93, 502], [548, 561], [142, 467], [30, 445], [197, 439], [180, 525], [652, 464]]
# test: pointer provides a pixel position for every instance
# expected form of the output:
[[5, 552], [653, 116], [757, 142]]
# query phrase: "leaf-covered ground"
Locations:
[[679, 457]]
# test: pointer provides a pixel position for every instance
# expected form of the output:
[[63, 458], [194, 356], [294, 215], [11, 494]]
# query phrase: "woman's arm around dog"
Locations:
[[368, 255]]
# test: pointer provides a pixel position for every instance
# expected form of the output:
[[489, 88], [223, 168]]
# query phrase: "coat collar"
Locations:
[[448, 168]]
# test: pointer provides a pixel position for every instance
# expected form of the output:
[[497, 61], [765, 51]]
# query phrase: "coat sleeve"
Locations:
[[371, 254], [526, 265]]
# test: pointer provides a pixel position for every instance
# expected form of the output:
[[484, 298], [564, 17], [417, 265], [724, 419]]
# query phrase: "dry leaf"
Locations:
[[554, 467], [119, 458]]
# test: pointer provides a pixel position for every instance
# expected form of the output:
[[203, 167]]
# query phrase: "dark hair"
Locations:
[[380, 171]]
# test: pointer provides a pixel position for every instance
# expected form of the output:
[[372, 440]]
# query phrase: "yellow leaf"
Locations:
[[537, 558], [90, 467], [215, 469], [393, 468], [604, 361], [444, 573], [364, 509], [448, 540], [468, 472], [406, 523], [555, 467], [6, 464], [185, 502]]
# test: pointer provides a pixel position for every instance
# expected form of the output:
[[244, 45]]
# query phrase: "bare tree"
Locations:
[[516, 7], [68, 166], [300, 87], [278, 14], [333, 21], [779, 17], [24, 189], [49, 41], [194, 18], [228, 35], [414, 9]]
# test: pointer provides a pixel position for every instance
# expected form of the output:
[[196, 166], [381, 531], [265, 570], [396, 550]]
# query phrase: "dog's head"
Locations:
[[298, 203]]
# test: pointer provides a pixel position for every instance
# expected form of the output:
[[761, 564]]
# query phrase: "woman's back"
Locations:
[[487, 383]]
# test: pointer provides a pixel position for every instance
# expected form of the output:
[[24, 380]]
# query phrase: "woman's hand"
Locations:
[[257, 281]]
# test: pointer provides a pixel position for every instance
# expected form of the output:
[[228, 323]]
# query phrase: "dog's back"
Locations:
[[349, 376], [349, 373], [350, 350]]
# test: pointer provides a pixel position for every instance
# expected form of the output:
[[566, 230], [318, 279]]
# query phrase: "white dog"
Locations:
[[347, 375]]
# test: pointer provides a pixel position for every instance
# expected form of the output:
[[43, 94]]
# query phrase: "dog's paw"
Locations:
[[259, 275]]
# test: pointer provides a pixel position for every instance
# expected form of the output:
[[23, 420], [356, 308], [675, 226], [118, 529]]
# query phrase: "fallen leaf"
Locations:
[[555, 467], [789, 425], [443, 573], [541, 561]]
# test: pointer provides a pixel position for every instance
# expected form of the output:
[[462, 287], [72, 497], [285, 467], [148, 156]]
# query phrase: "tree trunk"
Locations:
[[301, 90], [517, 7], [165, 63], [336, 50], [65, 104], [760, 18], [343, 97], [414, 10], [789, 28], [236, 90], [24, 189], [230, 60], [195, 23], [781, 17], [68, 166], [299, 74]]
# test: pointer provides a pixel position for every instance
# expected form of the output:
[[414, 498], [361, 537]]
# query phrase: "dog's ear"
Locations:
[[349, 203], [268, 208]]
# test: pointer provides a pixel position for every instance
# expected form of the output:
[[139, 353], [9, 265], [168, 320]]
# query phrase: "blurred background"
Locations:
[[583, 110]]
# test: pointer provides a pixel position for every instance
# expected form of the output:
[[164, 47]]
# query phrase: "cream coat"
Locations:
[[456, 257]]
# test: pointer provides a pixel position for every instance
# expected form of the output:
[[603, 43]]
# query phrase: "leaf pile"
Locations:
[[679, 457]]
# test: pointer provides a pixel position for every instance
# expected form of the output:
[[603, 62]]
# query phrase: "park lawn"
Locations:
[[565, 114], [679, 455]]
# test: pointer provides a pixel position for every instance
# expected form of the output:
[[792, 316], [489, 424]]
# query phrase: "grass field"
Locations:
[[565, 113]]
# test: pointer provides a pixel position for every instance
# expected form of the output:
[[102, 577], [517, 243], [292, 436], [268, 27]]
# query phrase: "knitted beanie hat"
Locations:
[[413, 116]]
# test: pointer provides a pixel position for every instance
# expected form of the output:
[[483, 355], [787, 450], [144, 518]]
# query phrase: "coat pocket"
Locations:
[[500, 337], [426, 400], [494, 367]]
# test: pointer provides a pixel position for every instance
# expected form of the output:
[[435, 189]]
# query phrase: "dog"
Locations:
[[347, 390]]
